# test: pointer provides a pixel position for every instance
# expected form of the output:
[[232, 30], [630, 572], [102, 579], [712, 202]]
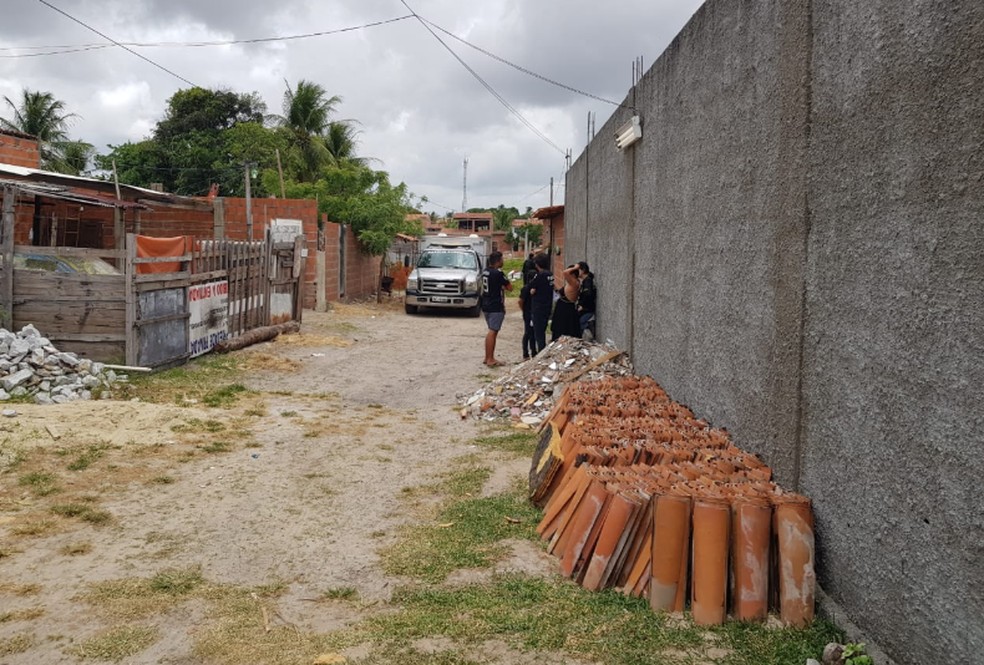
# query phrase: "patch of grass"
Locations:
[[753, 643], [224, 396], [85, 458], [464, 534], [176, 581], [7, 552], [41, 483], [76, 549], [540, 615], [118, 643], [15, 589], [198, 425], [216, 447], [518, 442], [131, 599], [558, 616], [288, 414], [186, 384], [162, 480], [340, 593], [26, 614], [34, 527], [18, 643], [84, 512]]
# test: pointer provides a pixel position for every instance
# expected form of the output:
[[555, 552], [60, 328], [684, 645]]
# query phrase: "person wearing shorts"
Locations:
[[494, 287]]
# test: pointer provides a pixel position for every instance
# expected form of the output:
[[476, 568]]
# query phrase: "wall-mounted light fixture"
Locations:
[[628, 133]]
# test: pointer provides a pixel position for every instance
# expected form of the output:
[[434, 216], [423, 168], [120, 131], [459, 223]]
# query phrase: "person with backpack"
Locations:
[[494, 287]]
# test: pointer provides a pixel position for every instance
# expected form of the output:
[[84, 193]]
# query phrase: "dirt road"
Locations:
[[299, 483]]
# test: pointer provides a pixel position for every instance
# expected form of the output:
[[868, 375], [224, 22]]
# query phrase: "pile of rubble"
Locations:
[[31, 365], [526, 394]]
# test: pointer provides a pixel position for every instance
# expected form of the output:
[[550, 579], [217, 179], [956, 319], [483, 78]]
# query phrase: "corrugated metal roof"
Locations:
[[549, 212], [65, 194], [17, 134], [51, 177]]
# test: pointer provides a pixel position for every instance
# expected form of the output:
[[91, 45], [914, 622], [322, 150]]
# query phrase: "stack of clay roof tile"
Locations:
[[640, 495], [528, 391]]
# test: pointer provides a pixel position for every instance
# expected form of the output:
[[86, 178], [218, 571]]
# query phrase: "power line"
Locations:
[[485, 84], [520, 68], [108, 38], [75, 48]]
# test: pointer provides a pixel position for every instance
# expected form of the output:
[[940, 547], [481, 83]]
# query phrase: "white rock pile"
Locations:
[[31, 365]]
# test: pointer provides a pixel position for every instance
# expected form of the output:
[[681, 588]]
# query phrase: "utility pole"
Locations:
[[464, 188], [249, 203], [551, 191]]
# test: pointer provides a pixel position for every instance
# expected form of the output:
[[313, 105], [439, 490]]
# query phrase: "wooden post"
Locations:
[[130, 293], [7, 257], [298, 276], [321, 292], [280, 170], [119, 231]]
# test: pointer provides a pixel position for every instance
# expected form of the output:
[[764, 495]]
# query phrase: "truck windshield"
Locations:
[[463, 260]]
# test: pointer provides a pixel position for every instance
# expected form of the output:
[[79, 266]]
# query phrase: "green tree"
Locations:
[[365, 199], [137, 163], [307, 111], [44, 117], [199, 141]]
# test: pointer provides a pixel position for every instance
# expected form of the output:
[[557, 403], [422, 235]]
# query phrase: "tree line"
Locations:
[[219, 138]]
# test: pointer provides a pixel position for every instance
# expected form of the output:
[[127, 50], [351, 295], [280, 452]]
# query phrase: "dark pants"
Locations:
[[541, 316], [529, 342]]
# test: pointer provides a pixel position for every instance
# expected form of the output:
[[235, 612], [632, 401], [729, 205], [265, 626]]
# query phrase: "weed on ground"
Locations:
[[118, 643]]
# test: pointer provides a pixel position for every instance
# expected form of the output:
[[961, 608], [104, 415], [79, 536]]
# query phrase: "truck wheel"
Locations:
[[475, 311], [410, 309]]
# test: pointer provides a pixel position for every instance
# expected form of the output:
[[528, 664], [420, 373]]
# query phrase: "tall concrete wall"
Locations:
[[893, 381], [795, 250]]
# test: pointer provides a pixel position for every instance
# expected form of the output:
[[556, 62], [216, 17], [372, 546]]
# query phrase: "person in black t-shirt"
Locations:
[[525, 304], [494, 286], [541, 301]]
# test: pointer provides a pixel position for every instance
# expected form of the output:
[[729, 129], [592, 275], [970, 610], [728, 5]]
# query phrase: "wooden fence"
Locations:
[[146, 319]]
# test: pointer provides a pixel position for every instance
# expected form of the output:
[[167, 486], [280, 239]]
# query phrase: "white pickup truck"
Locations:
[[447, 274]]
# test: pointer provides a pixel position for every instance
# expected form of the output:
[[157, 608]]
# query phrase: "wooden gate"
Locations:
[[262, 285]]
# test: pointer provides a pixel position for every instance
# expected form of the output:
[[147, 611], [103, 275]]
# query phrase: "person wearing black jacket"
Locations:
[[587, 298], [541, 300]]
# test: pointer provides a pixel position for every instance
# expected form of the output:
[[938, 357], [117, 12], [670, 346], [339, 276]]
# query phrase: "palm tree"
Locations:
[[42, 116], [340, 141], [307, 116]]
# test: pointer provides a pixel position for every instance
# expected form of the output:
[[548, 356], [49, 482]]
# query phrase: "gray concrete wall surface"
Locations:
[[893, 373], [608, 239], [805, 212]]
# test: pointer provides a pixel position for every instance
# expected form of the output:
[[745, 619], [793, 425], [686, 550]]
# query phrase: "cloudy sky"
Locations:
[[421, 111]]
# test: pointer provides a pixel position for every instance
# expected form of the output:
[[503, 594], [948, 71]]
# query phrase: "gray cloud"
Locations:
[[421, 112]]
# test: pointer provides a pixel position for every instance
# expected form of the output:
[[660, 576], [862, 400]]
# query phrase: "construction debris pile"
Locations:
[[527, 393], [30, 365], [642, 496]]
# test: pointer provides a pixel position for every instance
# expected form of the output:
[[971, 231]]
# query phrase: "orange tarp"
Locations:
[[150, 247]]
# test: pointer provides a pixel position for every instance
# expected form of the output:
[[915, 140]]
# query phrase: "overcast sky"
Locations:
[[421, 112]]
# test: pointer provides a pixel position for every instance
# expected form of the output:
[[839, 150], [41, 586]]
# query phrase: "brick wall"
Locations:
[[167, 222], [19, 151], [361, 271]]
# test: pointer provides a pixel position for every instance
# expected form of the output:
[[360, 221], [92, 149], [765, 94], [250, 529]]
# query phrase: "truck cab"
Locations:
[[447, 274]]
